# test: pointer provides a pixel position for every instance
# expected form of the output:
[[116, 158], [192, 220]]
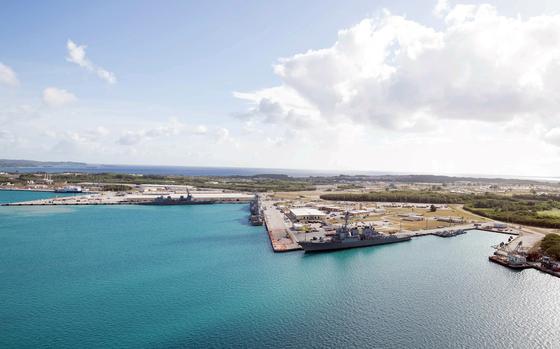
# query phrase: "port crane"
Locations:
[[517, 248], [503, 248]]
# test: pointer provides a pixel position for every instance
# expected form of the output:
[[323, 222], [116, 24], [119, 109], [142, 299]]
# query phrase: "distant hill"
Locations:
[[436, 179], [32, 163]]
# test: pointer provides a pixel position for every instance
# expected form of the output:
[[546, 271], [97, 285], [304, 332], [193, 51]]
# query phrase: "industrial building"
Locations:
[[306, 215]]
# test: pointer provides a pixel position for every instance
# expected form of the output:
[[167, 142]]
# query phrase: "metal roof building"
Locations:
[[306, 214]]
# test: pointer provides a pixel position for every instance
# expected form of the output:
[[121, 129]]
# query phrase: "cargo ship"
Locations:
[[345, 238]]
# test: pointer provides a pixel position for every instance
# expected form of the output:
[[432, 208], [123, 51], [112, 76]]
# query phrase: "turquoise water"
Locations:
[[200, 277], [26, 195]]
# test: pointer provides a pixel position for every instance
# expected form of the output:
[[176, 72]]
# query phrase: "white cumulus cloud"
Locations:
[[200, 130], [553, 136], [8, 76], [394, 73], [133, 137], [223, 136], [55, 97], [77, 55], [442, 7]]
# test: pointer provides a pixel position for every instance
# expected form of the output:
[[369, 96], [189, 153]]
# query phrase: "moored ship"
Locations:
[[69, 189], [350, 238], [256, 219], [256, 215], [181, 200]]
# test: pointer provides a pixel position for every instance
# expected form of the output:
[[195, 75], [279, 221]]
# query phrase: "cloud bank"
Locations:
[[8, 76], [397, 74], [55, 97], [77, 55]]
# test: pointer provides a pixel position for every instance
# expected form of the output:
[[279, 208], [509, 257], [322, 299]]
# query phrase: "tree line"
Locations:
[[520, 209]]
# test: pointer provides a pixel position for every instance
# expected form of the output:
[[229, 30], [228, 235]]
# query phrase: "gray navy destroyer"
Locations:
[[350, 238], [182, 200]]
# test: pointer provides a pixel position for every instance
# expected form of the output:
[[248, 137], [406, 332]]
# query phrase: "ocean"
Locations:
[[27, 195], [201, 277], [181, 170], [239, 171]]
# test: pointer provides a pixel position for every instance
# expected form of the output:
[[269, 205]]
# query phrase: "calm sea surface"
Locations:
[[200, 277], [181, 170], [229, 171], [27, 195]]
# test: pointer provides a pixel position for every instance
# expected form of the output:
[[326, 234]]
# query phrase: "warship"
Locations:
[[182, 200], [349, 238], [256, 216]]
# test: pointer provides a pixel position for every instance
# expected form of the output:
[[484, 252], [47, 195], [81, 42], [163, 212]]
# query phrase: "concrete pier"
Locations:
[[528, 265], [281, 239], [110, 198]]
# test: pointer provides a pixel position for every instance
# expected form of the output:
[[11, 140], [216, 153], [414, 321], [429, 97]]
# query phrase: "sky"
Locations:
[[443, 87]]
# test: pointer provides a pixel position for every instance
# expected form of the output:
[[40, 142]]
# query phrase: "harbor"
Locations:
[[139, 265], [518, 254], [284, 237], [293, 225], [281, 239], [161, 197], [293, 228]]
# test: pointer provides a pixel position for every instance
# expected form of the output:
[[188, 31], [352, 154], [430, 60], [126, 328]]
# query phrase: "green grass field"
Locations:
[[554, 213]]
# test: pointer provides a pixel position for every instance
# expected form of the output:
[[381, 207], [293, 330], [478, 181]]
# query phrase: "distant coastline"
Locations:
[[32, 166], [8, 163]]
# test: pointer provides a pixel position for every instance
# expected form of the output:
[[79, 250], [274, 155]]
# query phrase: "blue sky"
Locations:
[[196, 53], [234, 84]]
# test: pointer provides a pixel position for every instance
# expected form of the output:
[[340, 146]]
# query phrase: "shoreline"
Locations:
[[281, 238], [29, 189]]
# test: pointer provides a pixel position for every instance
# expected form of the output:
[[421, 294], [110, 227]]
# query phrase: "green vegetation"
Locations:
[[116, 187], [550, 246], [533, 210], [526, 210], [348, 186], [259, 183], [554, 213], [400, 196]]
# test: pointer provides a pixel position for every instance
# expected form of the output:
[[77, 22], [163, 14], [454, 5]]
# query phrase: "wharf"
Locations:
[[507, 232], [27, 189], [465, 227], [527, 265], [281, 239], [527, 237], [108, 198], [426, 232]]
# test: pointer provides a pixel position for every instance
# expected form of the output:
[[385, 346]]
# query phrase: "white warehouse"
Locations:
[[305, 215]]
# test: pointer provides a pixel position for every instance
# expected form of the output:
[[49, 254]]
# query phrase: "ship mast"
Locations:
[[346, 216]]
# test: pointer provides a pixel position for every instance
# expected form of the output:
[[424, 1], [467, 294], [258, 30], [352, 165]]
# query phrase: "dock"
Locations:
[[513, 254], [281, 238], [111, 198], [463, 227], [527, 265]]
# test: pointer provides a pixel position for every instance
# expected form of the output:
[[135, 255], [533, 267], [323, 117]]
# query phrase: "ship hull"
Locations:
[[177, 202], [335, 246]]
